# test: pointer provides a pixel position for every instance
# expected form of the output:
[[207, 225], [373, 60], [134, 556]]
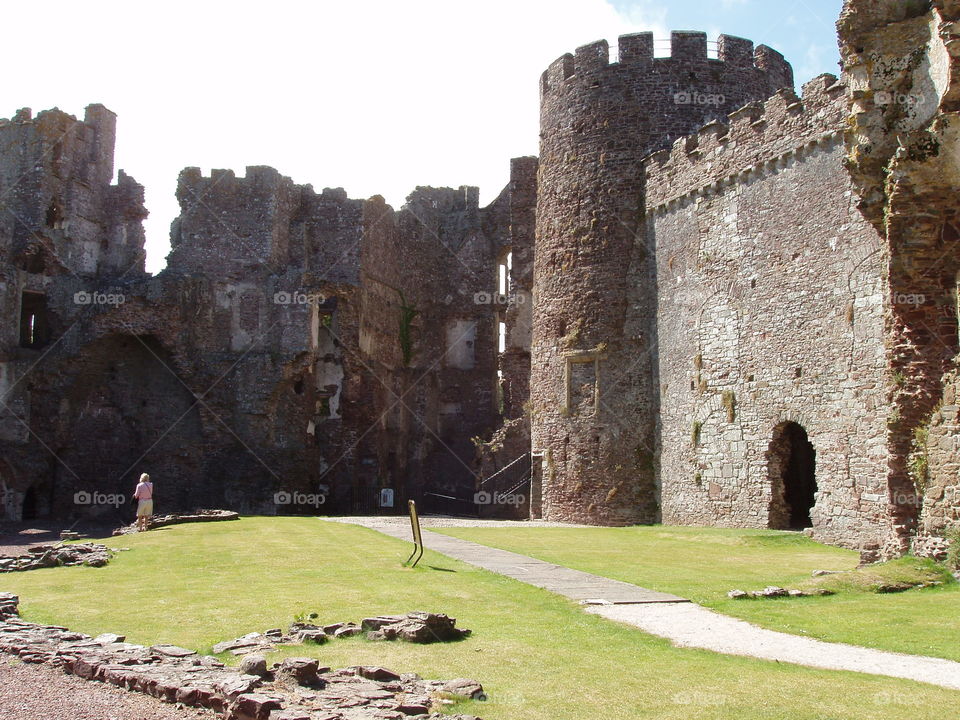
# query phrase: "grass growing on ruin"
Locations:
[[539, 656], [703, 564]]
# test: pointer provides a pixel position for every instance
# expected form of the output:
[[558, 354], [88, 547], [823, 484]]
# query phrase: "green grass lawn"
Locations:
[[703, 564], [538, 655]]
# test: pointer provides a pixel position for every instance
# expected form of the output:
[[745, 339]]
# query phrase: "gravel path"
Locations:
[[690, 625], [685, 624], [39, 692]]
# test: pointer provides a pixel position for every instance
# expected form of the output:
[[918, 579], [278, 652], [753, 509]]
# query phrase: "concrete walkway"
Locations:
[[684, 623]]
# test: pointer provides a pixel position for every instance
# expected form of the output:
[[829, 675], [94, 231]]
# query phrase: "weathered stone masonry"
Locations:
[[594, 409], [754, 335], [709, 301], [901, 62], [297, 345]]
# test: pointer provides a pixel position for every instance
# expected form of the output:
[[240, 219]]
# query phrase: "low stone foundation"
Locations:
[[296, 689], [44, 556], [414, 627], [176, 519]]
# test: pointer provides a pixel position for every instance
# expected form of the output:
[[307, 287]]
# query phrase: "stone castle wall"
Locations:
[[770, 310], [901, 64], [705, 296], [265, 359], [593, 402]]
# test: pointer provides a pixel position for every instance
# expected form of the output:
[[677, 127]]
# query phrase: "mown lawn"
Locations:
[[703, 564], [539, 656]]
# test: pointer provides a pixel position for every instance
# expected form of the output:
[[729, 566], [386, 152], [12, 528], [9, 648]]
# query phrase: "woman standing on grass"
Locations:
[[144, 495]]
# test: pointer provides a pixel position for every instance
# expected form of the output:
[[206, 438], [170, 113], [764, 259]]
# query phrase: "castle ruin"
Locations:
[[708, 301]]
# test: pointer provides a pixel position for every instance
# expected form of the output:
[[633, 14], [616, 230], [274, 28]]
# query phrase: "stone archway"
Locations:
[[791, 465]]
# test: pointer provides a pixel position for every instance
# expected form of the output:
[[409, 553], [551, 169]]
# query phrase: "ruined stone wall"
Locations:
[[265, 360], [505, 469], [901, 60], [66, 234], [429, 329], [60, 209], [770, 310], [593, 401]]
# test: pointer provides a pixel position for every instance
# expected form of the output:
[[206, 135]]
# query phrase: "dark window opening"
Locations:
[[54, 215], [323, 406], [298, 386], [33, 262], [792, 471], [30, 510], [34, 326]]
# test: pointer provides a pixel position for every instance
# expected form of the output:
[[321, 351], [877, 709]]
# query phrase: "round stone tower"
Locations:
[[594, 394]]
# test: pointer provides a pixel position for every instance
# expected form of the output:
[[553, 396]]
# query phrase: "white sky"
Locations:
[[376, 96]]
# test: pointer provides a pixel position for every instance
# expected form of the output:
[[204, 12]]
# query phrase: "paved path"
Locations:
[[684, 623], [573, 584]]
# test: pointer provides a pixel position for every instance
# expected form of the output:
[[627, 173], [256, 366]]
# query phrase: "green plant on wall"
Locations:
[[407, 315], [919, 463], [695, 432], [729, 400]]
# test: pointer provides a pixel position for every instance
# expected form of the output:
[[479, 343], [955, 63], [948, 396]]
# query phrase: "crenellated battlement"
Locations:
[[637, 52], [757, 135]]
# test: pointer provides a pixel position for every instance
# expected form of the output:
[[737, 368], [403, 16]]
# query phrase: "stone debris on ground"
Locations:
[[414, 627], [773, 591], [45, 556], [294, 689], [176, 519]]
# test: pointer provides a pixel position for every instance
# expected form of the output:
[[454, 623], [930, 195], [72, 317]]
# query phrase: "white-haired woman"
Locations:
[[144, 497]]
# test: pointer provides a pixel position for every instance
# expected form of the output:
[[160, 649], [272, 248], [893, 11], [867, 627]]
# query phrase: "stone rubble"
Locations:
[[44, 556], [414, 627], [773, 591], [295, 689], [175, 519]]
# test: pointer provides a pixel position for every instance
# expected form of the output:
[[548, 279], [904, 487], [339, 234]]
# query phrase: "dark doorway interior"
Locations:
[[30, 510], [792, 465]]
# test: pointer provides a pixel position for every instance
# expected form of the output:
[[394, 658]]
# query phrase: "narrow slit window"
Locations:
[[34, 326]]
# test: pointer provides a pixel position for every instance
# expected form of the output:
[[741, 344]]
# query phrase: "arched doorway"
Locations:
[[791, 463]]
